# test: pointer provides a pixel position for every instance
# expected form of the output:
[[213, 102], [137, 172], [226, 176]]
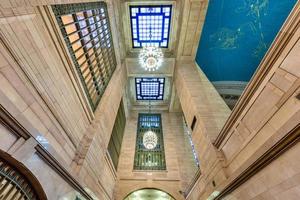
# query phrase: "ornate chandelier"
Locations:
[[150, 140], [151, 58]]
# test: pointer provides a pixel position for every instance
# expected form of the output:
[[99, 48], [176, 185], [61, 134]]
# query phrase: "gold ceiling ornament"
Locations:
[[151, 58], [150, 140]]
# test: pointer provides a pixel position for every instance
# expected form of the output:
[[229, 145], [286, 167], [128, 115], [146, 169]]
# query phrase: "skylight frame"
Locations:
[[155, 94], [157, 43]]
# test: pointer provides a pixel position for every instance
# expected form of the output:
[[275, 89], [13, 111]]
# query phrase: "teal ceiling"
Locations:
[[237, 34]]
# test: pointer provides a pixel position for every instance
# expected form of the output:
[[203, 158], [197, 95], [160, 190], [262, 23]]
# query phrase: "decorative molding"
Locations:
[[275, 53], [230, 87], [50, 109], [13, 125], [52, 162], [11, 164], [288, 141], [230, 91]]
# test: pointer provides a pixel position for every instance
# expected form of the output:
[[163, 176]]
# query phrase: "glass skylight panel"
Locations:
[[149, 88], [150, 25], [149, 121]]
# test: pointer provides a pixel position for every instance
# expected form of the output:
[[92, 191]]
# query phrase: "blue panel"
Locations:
[[150, 25], [149, 88], [149, 121], [237, 34]]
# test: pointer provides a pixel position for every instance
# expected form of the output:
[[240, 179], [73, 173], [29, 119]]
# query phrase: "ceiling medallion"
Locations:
[[151, 58], [150, 140]]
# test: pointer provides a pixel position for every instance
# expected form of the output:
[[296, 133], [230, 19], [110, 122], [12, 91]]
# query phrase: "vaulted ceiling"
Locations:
[[237, 34]]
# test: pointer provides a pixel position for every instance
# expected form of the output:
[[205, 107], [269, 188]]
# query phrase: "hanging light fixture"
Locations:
[[149, 137], [150, 140], [151, 58]]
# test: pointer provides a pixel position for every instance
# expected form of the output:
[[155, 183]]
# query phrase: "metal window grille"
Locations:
[[146, 159], [86, 31], [150, 25], [13, 185], [149, 88]]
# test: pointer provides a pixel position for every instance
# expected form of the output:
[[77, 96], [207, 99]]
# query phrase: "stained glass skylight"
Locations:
[[149, 88], [150, 25]]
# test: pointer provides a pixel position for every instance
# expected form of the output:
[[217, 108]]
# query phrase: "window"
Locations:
[[193, 123], [149, 88], [146, 159], [150, 25], [86, 30], [13, 184], [115, 142]]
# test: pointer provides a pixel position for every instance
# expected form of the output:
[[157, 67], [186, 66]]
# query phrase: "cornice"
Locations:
[[275, 53], [13, 125], [285, 143]]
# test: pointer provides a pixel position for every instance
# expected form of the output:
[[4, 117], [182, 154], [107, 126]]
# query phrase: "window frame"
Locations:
[[139, 6], [99, 62], [158, 151], [147, 98]]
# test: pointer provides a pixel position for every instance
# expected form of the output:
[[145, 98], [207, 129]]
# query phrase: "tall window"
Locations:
[[150, 25], [115, 142], [86, 30], [146, 159]]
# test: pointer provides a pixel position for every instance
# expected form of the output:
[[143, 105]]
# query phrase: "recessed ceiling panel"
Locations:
[[150, 25], [149, 88]]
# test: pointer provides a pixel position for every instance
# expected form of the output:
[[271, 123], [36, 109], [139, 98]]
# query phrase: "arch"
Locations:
[[171, 190], [150, 189], [24, 172]]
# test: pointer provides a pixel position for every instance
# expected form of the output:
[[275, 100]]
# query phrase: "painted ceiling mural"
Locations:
[[237, 34]]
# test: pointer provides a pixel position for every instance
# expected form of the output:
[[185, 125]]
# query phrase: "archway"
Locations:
[[149, 194], [17, 182]]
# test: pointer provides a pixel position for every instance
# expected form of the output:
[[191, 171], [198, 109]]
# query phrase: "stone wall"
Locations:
[[266, 116], [41, 90], [177, 174]]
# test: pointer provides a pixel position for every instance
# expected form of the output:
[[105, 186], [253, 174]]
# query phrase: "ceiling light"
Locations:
[[151, 58], [150, 140]]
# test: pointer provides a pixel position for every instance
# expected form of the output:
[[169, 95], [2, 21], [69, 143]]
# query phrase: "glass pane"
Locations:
[[150, 25]]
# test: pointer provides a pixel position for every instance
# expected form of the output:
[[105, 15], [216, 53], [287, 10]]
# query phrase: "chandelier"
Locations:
[[150, 140], [151, 58]]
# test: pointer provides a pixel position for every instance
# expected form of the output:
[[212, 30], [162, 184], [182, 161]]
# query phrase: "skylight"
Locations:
[[150, 25], [149, 88]]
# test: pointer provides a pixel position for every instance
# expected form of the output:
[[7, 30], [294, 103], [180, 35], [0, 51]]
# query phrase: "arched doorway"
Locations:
[[17, 182], [149, 194]]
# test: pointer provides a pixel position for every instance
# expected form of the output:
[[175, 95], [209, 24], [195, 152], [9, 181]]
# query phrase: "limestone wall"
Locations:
[[40, 89], [266, 116], [177, 174]]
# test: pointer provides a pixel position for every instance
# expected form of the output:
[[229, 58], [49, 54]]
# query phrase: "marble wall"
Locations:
[[40, 90], [177, 175], [267, 114]]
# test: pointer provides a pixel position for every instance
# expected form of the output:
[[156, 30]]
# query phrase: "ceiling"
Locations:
[[236, 36], [149, 24]]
